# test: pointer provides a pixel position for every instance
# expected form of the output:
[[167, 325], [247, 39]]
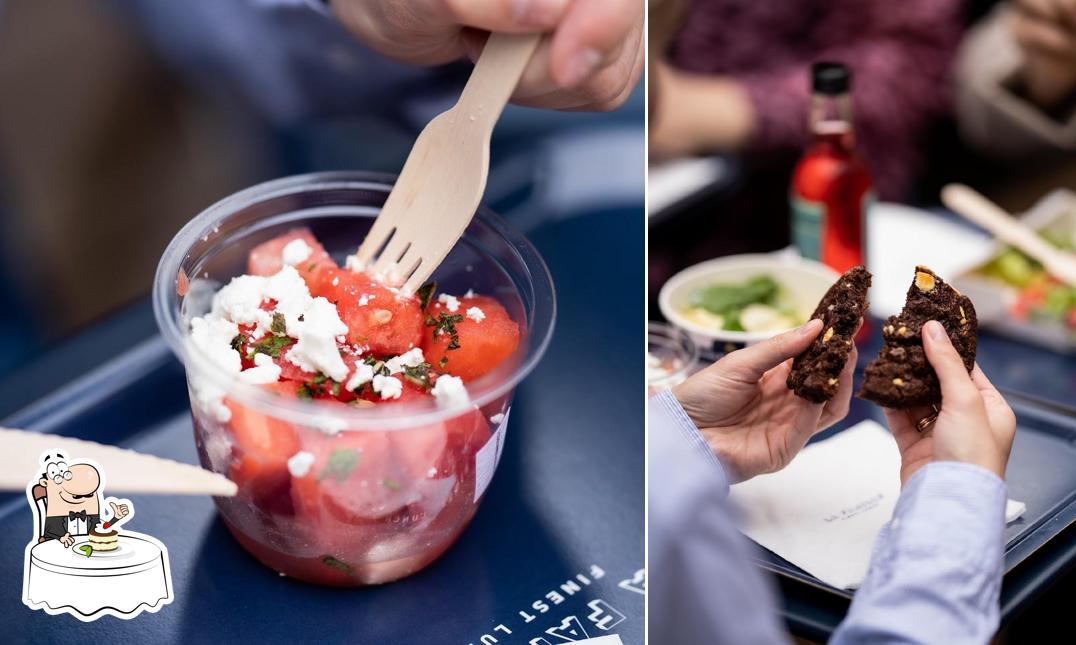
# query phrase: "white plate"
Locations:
[[121, 551]]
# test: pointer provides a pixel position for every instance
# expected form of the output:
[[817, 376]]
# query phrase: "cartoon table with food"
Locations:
[[79, 561]]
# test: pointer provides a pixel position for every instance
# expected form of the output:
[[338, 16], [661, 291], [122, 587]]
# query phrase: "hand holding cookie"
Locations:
[[747, 414], [975, 425]]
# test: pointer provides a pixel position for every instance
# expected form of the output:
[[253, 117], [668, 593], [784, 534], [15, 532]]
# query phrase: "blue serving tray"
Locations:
[[555, 545]]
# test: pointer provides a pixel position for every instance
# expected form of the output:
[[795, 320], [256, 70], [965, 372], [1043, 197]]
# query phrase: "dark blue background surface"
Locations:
[[567, 497]]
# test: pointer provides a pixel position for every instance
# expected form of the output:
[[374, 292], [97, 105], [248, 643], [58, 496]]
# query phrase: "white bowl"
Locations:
[[803, 283]]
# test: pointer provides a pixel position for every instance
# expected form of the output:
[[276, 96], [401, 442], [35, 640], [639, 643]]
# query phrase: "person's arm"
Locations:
[[55, 527], [702, 586], [935, 574]]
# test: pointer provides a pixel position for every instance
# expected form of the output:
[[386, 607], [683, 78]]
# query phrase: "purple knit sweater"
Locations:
[[899, 51]]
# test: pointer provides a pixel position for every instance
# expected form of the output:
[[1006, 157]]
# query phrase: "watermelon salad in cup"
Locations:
[[356, 420]]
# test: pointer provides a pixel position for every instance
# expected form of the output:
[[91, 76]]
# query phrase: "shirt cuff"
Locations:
[[665, 410], [954, 508], [321, 6]]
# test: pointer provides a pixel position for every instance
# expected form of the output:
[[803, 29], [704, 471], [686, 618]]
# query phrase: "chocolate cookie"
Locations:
[[816, 371], [901, 377]]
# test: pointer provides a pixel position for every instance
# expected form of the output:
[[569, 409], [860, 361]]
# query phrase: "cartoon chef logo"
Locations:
[[72, 501], [80, 560]]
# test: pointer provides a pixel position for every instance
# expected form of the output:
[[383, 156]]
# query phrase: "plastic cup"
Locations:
[[670, 356], [377, 493]]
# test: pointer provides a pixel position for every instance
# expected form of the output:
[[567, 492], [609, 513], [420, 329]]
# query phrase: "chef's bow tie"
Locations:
[[81, 515]]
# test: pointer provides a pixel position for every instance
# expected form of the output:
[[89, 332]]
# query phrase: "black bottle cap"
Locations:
[[830, 78]]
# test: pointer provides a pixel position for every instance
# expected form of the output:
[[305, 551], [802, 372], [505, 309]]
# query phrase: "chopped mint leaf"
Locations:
[[317, 386], [337, 564], [279, 326], [443, 362], [270, 345], [425, 294], [238, 342], [378, 365], [341, 462], [445, 323], [419, 375], [390, 483]]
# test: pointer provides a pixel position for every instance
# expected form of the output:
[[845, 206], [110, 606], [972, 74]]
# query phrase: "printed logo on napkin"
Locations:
[[81, 560]]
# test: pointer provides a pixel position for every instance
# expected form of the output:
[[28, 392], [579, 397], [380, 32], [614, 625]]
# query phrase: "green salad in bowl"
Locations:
[[755, 304]]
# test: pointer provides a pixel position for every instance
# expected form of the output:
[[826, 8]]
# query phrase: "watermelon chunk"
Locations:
[[358, 477], [262, 446], [378, 318], [268, 257], [483, 344]]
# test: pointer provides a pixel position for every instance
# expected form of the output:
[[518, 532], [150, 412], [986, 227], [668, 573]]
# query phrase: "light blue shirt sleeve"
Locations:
[[935, 572], [702, 587]]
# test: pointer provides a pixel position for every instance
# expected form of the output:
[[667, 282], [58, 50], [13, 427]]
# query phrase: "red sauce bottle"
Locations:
[[831, 188]]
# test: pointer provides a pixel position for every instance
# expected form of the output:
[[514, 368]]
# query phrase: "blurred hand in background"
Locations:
[[1045, 31], [591, 60]]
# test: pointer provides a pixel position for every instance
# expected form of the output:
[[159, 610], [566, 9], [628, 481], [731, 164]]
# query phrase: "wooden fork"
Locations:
[[980, 210], [442, 182]]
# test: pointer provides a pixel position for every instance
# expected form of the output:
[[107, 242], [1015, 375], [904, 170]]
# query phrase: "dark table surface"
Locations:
[[567, 499]]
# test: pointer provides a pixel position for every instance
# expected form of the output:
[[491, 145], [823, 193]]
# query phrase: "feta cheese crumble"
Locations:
[[314, 323], [264, 371], [365, 299], [410, 358], [452, 303], [316, 350], [299, 464], [476, 314], [296, 251], [389, 387], [213, 336], [497, 418], [449, 391], [363, 374], [352, 263]]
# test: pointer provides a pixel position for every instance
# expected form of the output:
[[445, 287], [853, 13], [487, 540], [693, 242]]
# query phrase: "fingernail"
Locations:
[[806, 328], [537, 13], [581, 66], [936, 331]]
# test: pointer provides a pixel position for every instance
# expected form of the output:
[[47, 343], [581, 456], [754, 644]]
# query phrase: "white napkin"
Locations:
[[824, 510]]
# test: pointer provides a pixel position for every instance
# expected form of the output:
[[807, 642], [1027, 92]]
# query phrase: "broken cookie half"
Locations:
[[901, 376], [816, 372]]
